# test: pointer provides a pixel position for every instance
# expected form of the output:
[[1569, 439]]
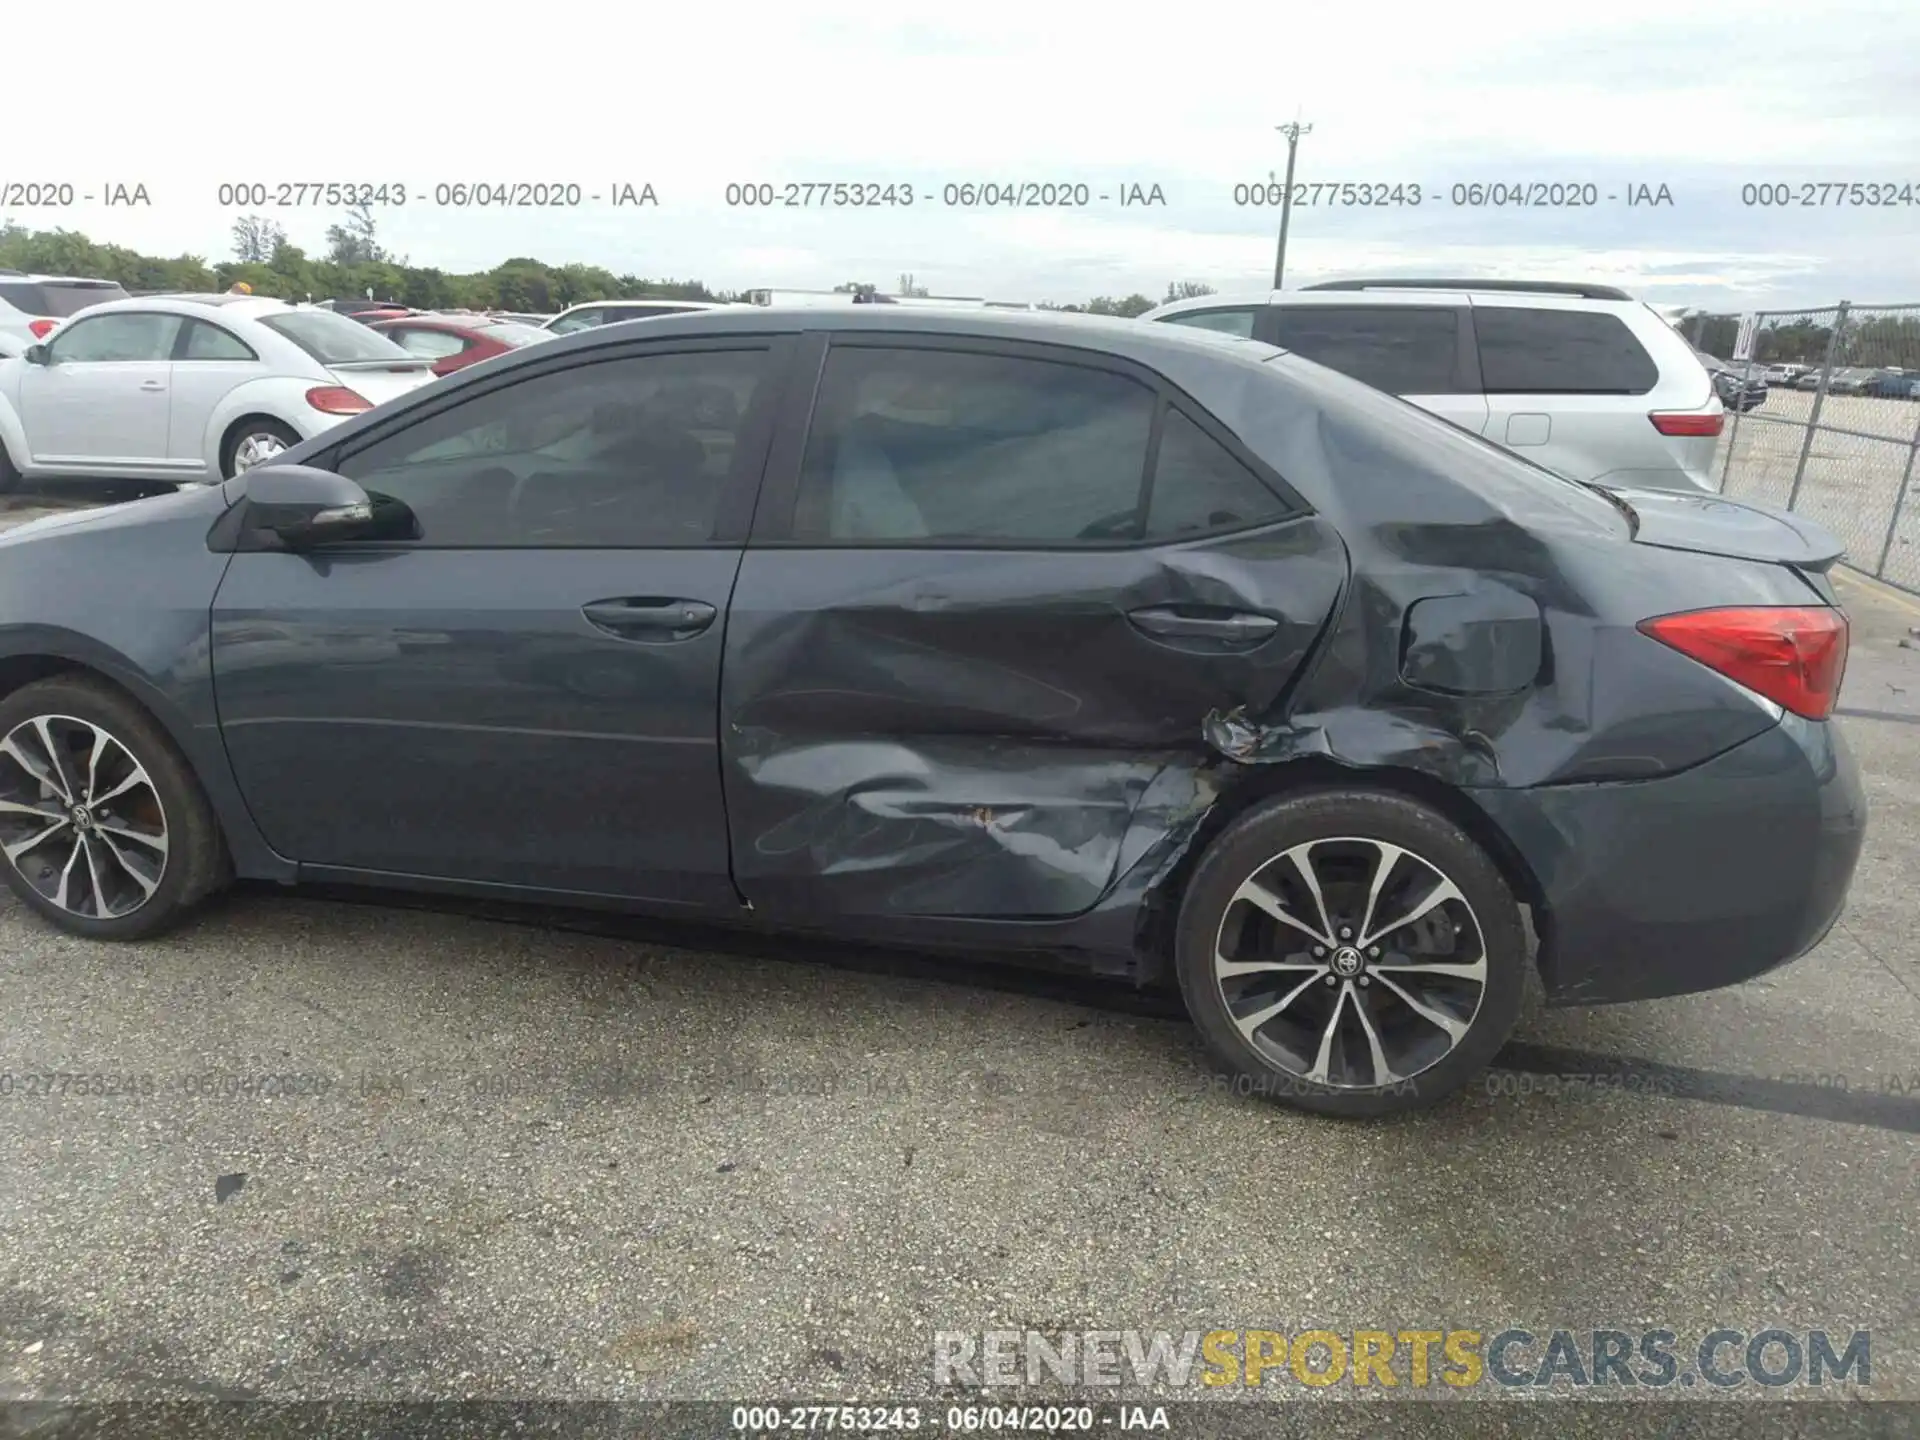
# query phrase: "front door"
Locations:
[[995, 596], [104, 397], [525, 694]]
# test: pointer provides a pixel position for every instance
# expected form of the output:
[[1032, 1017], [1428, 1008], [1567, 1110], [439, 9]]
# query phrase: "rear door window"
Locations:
[[915, 446], [1401, 349], [1200, 487], [1529, 351]]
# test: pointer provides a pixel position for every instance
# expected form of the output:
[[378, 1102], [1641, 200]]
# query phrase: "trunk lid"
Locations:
[[1715, 525]]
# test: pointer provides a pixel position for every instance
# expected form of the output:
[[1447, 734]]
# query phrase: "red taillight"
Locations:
[[1794, 656], [337, 400], [41, 328], [1687, 422]]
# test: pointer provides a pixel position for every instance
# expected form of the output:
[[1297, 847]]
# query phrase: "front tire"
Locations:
[[9, 472], [251, 442], [103, 828], [1350, 952]]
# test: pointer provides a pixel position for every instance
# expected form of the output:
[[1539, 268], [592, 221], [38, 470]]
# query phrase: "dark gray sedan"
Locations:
[[1164, 653]]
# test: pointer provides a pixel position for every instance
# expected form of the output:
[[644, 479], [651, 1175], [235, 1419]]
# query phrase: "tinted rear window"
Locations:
[[333, 339], [1402, 350], [57, 298], [1560, 352]]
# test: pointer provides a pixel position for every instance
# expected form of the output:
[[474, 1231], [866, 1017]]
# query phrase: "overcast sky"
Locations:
[[1701, 99]]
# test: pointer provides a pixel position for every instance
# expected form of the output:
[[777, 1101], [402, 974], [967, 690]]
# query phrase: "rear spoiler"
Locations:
[[406, 362]]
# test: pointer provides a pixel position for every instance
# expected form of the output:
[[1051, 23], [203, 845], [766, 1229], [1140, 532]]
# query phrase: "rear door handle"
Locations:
[[650, 618], [1229, 627], [153, 384]]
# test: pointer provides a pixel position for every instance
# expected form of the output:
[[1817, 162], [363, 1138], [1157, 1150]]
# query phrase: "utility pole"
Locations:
[[1293, 133]]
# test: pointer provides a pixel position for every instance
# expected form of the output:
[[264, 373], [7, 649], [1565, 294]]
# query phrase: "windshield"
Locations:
[[567, 324], [333, 339], [510, 333]]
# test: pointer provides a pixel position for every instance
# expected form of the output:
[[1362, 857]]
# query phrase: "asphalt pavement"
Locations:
[[324, 1147]]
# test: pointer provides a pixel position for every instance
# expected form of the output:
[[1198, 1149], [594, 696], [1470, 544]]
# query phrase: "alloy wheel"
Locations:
[[80, 818], [255, 447], [1351, 963]]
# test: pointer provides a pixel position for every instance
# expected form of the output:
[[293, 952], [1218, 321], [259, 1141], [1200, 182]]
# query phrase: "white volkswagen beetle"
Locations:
[[188, 388]]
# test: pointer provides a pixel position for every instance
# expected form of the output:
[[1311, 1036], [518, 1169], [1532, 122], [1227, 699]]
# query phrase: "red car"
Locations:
[[454, 342]]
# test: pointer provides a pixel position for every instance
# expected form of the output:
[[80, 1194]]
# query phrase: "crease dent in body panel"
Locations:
[[947, 825]]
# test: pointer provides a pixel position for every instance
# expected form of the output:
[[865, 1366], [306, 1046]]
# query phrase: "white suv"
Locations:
[[32, 306], [1582, 379]]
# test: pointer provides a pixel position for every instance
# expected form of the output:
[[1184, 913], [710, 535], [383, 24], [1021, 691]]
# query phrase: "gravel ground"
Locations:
[[509, 1159]]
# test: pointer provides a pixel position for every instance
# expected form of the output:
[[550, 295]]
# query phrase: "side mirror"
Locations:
[[37, 355], [305, 507]]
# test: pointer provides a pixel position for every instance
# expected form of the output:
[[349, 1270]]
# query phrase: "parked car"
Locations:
[[1582, 379], [1810, 380], [605, 312], [1850, 381], [1170, 654], [188, 388], [1785, 376], [452, 342], [1740, 386], [32, 306], [1892, 383], [357, 304]]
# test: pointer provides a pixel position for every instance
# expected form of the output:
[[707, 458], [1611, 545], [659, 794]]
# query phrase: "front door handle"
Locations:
[[652, 618], [153, 384], [1179, 622]]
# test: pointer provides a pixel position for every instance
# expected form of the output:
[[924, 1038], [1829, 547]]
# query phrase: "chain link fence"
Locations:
[[1837, 434]]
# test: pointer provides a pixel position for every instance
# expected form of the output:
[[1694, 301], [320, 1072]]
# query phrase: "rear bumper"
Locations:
[[1692, 881]]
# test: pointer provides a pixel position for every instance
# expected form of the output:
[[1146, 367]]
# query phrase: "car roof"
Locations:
[[433, 322], [1110, 335], [250, 307], [652, 302], [33, 277], [1440, 293]]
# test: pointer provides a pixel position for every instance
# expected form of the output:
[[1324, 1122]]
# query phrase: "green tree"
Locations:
[[355, 242], [255, 238]]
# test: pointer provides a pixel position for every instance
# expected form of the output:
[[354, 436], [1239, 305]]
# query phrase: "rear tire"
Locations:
[[1409, 984], [9, 472], [124, 843], [253, 440]]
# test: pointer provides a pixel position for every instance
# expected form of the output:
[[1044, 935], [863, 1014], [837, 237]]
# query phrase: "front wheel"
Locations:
[[103, 827], [1350, 952], [254, 441]]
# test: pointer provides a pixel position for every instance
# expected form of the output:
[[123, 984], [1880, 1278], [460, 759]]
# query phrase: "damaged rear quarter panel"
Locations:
[[1429, 514]]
